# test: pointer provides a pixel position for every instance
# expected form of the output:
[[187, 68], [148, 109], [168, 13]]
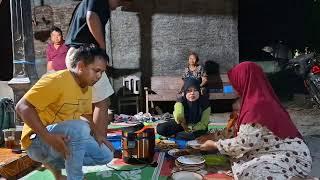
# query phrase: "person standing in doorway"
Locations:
[[56, 51]]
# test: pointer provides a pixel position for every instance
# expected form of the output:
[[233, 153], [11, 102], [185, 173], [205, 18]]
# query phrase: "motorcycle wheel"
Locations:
[[313, 90]]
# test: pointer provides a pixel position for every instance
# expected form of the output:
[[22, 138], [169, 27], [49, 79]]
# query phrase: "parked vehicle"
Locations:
[[307, 67]]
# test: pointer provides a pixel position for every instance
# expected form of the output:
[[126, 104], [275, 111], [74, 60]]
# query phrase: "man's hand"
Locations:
[[58, 142], [102, 139], [209, 145], [30, 116]]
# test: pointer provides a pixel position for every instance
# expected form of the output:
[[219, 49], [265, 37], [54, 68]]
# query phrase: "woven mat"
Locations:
[[162, 171], [104, 172]]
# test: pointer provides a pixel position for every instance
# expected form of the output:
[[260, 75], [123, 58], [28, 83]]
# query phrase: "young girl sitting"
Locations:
[[191, 114]]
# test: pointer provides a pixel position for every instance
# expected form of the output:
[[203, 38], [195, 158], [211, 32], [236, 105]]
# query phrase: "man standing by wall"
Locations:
[[56, 51], [88, 27]]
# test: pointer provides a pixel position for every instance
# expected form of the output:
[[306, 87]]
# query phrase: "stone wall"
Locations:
[[52, 12], [155, 36]]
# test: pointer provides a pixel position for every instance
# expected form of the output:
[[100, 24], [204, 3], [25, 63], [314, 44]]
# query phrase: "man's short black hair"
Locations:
[[87, 55], [54, 28]]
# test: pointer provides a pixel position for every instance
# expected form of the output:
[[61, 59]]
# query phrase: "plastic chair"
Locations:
[[130, 93]]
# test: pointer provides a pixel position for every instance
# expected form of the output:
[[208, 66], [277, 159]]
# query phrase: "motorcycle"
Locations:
[[307, 67]]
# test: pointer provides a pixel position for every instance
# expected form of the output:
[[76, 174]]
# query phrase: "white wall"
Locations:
[[5, 90]]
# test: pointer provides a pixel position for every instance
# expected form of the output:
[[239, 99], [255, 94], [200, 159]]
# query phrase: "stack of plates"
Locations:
[[194, 144], [185, 175], [190, 163]]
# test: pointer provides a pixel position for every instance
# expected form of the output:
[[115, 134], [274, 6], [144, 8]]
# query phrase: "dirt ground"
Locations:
[[307, 119]]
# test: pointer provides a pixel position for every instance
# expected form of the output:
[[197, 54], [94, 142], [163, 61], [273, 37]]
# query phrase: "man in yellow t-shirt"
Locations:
[[53, 133]]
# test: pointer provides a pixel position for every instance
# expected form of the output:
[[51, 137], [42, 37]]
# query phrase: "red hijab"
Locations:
[[259, 103]]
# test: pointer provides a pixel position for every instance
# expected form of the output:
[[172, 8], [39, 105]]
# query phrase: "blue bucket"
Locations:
[[182, 144], [228, 89], [116, 142]]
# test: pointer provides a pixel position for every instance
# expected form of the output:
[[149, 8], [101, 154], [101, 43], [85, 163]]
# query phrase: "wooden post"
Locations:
[[147, 99], [25, 74]]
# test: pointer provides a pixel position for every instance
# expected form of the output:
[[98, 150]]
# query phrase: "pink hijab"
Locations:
[[259, 102]]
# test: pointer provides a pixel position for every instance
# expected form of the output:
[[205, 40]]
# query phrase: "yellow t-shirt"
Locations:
[[57, 97]]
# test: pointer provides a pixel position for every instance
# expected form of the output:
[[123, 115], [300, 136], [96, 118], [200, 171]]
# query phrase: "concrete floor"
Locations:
[[307, 120]]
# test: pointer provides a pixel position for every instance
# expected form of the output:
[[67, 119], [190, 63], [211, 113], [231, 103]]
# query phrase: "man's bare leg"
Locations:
[[57, 173]]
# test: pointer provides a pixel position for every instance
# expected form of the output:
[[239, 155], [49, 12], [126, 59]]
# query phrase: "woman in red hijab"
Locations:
[[267, 144]]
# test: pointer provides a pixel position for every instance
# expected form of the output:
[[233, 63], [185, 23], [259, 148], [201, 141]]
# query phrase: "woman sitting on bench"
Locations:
[[196, 71], [191, 114]]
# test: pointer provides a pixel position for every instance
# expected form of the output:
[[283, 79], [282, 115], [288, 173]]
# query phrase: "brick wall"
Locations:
[[155, 36], [58, 14]]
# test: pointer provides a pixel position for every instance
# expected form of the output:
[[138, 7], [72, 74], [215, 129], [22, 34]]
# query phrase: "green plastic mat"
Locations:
[[215, 127], [216, 160], [98, 173]]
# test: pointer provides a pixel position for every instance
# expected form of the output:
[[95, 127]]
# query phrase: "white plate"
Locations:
[[185, 175], [168, 141], [194, 144], [172, 152], [191, 159]]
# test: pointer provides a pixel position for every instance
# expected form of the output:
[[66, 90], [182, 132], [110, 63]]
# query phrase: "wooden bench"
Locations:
[[166, 88]]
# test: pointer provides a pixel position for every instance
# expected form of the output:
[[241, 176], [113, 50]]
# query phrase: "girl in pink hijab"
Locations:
[[267, 144]]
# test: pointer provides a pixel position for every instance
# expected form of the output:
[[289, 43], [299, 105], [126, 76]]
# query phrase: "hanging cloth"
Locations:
[[6, 116]]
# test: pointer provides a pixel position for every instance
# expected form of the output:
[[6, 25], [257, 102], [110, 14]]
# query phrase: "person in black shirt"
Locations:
[[87, 27], [88, 23]]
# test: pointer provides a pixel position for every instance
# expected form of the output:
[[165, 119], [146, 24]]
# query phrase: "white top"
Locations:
[[102, 89]]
